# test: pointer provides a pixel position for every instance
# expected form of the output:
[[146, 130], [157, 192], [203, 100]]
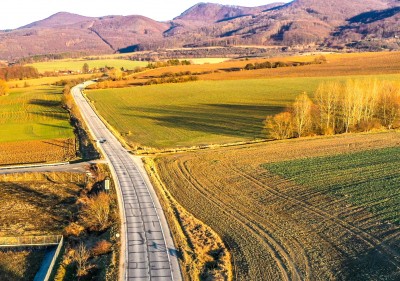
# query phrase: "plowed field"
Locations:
[[281, 228]]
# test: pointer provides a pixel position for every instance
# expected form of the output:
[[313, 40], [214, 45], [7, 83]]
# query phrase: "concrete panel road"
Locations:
[[147, 250]]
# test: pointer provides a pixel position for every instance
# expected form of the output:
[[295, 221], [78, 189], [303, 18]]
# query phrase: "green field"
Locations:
[[45, 81], [33, 113], [76, 65], [368, 179], [202, 112]]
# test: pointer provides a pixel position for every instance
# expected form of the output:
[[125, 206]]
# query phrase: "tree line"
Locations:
[[268, 64], [337, 108], [18, 72]]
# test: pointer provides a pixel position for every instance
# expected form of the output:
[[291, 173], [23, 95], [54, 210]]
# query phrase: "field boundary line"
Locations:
[[34, 166], [30, 241]]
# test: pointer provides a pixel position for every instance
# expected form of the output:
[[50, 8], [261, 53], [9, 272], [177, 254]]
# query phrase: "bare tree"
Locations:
[[389, 104], [327, 97], [81, 257], [302, 108], [280, 126]]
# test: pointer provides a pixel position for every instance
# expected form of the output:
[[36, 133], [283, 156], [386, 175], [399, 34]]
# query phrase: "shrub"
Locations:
[[102, 247], [73, 229], [96, 212]]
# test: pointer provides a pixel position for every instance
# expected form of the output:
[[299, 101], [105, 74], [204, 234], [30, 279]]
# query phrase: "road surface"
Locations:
[[148, 252]]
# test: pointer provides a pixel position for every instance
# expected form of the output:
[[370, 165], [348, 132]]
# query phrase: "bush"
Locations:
[[73, 229], [96, 212], [102, 247]]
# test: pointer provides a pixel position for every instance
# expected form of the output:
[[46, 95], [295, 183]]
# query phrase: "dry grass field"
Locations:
[[36, 151], [281, 225], [33, 204], [44, 81], [337, 65], [20, 265], [37, 204]]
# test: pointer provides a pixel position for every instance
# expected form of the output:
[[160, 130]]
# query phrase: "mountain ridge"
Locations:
[[329, 23]]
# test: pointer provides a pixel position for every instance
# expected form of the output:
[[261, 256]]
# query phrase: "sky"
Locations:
[[17, 13]]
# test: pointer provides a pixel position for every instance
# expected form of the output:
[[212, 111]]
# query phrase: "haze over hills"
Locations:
[[356, 23]]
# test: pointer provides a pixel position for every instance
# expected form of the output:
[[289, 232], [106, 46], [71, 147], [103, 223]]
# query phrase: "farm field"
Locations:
[[337, 65], [76, 65], [202, 112], [281, 224], [45, 81], [32, 119]]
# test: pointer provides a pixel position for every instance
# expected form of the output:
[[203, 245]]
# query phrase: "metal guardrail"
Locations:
[[30, 241], [53, 261]]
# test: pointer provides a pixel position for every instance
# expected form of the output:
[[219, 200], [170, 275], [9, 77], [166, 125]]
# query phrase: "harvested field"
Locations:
[[34, 127], [338, 65], [20, 265], [37, 151], [285, 229]]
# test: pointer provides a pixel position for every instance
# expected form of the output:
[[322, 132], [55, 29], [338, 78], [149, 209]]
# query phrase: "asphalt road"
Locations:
[[148, 252]]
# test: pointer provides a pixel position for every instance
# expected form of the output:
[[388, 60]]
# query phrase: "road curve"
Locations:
[[147, 249]]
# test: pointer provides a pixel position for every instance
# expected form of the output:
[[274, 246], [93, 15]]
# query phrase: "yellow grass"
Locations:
[[45, 80], [76, 65]]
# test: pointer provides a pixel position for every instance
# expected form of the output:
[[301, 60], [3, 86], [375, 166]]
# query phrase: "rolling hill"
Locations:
[[331, 23]]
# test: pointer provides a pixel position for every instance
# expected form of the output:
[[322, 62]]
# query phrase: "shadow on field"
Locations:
[[52, 114], [7, 275], [54, 210], [235, 120], [54, 126], [369, 265], [20, 265], [46, 103]]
